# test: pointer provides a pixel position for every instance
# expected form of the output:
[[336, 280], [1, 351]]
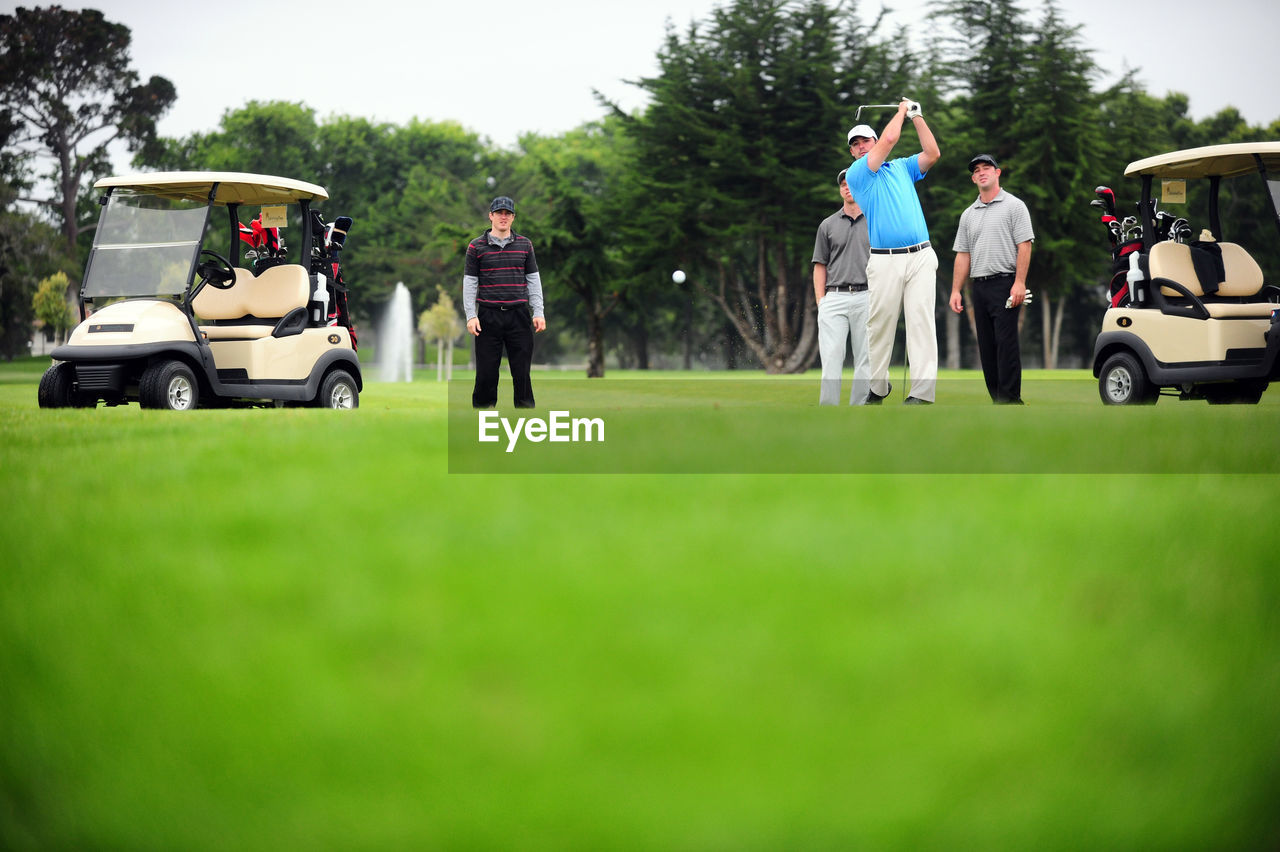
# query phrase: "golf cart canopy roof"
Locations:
[[1233, 160], [233, 187]]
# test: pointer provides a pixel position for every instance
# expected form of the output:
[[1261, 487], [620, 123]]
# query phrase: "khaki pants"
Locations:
[[904, 283]]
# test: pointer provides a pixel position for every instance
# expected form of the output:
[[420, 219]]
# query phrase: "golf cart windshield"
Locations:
[[145, 246]]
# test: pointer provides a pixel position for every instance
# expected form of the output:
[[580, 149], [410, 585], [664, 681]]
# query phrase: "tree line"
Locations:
[[725, 175]]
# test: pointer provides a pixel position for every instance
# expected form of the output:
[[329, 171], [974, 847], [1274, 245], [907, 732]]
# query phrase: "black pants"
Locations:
[[997, 328], [512, 330]]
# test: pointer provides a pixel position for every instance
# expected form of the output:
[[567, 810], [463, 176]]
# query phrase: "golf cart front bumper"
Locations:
[[106, 372]]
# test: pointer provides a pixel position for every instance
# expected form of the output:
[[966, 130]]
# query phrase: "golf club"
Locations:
[[1125, 240], [1113, 228], [1129, 228], [858, 113], [1108, 198]]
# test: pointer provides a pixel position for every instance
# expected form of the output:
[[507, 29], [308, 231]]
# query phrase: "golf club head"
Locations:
[[1113, 228], [1108, 198], [340, 226], [1097, 202]]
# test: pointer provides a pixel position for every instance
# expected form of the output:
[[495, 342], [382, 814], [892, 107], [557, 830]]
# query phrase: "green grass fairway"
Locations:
[[295, 629], [749, 423]]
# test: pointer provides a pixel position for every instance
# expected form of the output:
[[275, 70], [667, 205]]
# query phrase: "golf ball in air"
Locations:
[[678, 276]]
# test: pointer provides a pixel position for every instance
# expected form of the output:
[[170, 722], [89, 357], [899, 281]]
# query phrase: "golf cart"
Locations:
[[172, 324], [1189, 317]]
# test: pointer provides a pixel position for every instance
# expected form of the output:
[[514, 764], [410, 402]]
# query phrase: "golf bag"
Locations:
[[1119, 287], [326, 259]]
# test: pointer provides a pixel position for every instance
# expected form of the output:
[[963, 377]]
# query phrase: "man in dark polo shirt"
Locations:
[[993, 247], [840, 252], [502, 297]]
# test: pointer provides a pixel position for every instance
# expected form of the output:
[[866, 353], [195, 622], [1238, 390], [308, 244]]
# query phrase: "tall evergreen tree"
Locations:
[[575, 228], [983, 52], [736, 157], [1058, 155]]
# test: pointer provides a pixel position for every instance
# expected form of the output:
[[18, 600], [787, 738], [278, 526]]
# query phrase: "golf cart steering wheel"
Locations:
[[217, 271]]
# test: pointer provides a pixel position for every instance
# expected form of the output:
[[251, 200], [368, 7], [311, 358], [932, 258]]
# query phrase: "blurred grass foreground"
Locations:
[[294, 629]]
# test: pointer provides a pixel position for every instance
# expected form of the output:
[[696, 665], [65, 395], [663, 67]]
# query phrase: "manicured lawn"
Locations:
[[270, 629]]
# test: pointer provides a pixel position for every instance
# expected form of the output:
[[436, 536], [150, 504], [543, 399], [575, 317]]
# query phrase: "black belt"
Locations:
[[494, 307], [993, 277], [846, 288], [907, 250]]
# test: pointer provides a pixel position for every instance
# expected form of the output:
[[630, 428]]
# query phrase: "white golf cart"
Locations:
[[1197, 318], [173, 325]]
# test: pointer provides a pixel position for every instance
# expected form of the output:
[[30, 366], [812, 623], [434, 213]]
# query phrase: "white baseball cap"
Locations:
[[862, 130]]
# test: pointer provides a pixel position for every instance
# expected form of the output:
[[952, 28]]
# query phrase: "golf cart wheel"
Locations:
[[169, 385], [58, 386], [338, 390], [1124, 382]]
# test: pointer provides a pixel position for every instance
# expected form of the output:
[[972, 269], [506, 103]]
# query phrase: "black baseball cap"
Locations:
[[983, 158], [502, 202], [840, 177]]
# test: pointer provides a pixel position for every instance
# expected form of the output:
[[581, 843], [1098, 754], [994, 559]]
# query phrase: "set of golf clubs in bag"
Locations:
[[1129, 229], [1125, 236]]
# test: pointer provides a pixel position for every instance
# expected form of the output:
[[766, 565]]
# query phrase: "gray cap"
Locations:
[[502, 202], [840, 177]]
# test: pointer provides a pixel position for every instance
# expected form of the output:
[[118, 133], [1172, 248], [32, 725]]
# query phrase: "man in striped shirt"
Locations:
[[993, 247], [502, 298]]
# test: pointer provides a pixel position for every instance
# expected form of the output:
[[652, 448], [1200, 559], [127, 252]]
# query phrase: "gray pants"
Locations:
[[841, 317]]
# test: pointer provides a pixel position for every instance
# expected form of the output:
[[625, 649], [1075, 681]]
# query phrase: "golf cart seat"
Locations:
[[255, 305], [1238, 294]]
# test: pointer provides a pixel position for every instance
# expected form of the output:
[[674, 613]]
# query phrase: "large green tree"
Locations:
[[576, 223], [1057, 156], [66, 85], [983, 50], [262, 137], [736, 157], [399, 184]]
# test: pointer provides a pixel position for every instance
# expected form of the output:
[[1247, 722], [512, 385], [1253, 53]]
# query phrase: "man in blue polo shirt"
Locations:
[[901, 272]]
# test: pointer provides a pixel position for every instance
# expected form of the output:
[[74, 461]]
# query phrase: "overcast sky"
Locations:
[[504, 69]]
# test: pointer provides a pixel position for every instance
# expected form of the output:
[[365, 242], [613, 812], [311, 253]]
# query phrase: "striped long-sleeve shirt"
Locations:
[[501, 272]]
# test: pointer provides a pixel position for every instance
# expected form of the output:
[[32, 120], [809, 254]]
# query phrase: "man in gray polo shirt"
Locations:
[[840, 254], [993, 246]]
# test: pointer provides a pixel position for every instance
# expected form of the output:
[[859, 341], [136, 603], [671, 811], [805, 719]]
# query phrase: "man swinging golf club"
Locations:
[[902, 267]]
